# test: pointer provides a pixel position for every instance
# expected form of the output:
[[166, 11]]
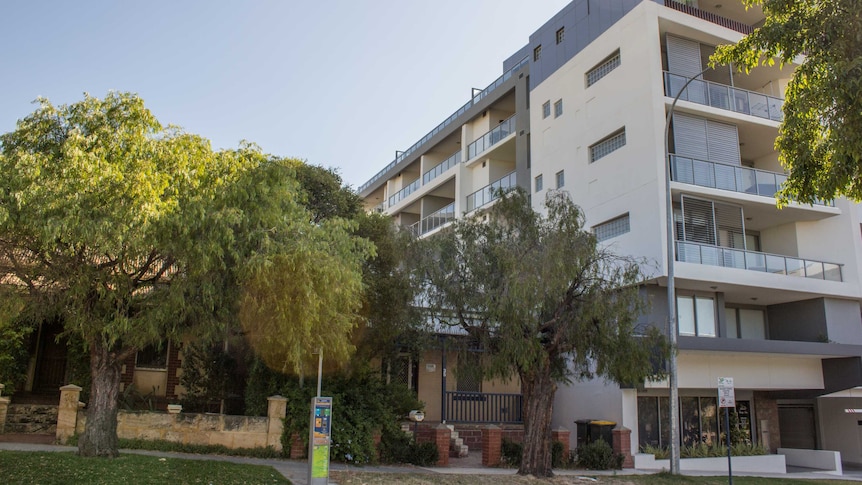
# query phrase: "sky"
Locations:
[[341, 84]]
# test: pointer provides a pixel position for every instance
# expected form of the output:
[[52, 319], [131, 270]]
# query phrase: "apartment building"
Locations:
[[769, 297]]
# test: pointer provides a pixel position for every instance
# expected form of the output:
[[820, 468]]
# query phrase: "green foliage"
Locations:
[[510, 452], [398, 447], [820, 139], [208, 376], [703, 450], [173, 447], [134, 399], [599, 455], [14, 357]]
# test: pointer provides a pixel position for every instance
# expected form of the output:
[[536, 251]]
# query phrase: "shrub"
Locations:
[[510, 453], [208, 377], [598, 455], [401, 448]]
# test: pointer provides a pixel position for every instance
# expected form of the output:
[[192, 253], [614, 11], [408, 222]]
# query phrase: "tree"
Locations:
[[543, 301], [820, 139], [131, 233]]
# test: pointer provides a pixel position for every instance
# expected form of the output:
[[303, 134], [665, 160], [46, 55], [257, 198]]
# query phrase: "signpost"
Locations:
[[727, 400], [319, 440]]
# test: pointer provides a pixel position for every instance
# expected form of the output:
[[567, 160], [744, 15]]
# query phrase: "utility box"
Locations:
[[590, 430]]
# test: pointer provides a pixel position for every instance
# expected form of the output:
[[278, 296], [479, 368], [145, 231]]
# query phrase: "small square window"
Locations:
[[558, 108], [561, 34], [537, 53], [546, 109], [561, 179], [538, 183]]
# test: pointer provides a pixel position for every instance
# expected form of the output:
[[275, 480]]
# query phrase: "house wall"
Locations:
[[840, 430]]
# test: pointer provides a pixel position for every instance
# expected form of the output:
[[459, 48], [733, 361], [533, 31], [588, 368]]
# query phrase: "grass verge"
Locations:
[[59, 468]]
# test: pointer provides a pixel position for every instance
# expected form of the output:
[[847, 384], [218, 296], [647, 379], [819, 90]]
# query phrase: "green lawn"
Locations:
[[19, 467]]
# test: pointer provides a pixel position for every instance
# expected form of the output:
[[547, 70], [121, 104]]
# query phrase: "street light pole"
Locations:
[[672, 330]]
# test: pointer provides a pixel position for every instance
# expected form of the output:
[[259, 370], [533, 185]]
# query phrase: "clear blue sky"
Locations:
[[338, 83]]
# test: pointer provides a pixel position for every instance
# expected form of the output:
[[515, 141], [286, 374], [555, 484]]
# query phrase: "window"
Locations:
[[538, 183], [558, 108], [608, 145], [696, 315], [745, 323], [612, 228], [537, 53], [561, 34], [561, 179], [603, 68], [468, 374], [546, 109], [152, 357]]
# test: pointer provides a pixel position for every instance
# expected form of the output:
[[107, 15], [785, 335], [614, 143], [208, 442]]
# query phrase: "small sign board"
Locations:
[[726, 396]]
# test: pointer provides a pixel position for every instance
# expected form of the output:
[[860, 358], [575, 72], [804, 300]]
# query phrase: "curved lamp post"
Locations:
[[673, 378]]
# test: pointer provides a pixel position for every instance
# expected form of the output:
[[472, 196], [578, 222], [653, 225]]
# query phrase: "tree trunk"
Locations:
[[100, 435], [538, 389]]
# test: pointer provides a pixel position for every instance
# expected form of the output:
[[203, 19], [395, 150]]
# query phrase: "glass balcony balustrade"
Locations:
[[448, 121], [490, 192], [491, 138], [692, 252], [433, 221], [443, 166], [401, 194], [724, 97], [727, 177]]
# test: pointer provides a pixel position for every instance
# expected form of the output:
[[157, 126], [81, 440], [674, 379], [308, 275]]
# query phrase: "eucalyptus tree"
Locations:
[[820, 139], [131, 233], [543, 301]]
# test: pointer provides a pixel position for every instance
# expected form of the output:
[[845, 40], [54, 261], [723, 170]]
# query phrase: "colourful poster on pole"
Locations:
[[320, 463]]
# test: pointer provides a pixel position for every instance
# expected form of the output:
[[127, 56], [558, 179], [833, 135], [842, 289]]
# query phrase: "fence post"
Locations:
[[442, 437], [492, 442], [622, 438], [4, 406], [67, 412], [276, 411], [562, 435]]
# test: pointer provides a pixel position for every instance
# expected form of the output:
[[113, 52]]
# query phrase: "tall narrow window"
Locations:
[[539, 183], [546, 109], [561, 179], [537, 53], [558, 108], [561, 34]]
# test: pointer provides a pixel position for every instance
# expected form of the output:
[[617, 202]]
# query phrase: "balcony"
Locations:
[[448, 121], [491, 138], [441, 167], [401, 194], [435, 220], [724, 97], [483, 407], [691, 252], [490, 192], [709, 17]]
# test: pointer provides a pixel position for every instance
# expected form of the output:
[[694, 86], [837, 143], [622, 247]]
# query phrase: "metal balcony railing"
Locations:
[[435, 220], [441, 167], [463, 109], [483, 407], [709, 17], [491, 192], [397, 196], [728, 177], [724, 97], [491, 138], [692, 252]]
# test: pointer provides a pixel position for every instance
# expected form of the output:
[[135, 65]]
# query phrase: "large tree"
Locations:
[[543, 301], [131, 233], [820, 139]]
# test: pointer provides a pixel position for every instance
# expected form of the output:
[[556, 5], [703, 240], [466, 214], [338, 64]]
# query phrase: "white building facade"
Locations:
[[769, 297]]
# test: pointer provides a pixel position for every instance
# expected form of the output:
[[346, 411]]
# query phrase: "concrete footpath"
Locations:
[[296, 471]]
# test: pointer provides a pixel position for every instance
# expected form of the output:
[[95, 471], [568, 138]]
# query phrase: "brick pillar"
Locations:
[[442, 438], [4, 406], [276, 411], [492, 442], [67, 412], [174, 367], [623, 446], [297, 447], [127, 376], [376, 438], [562, 436]]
